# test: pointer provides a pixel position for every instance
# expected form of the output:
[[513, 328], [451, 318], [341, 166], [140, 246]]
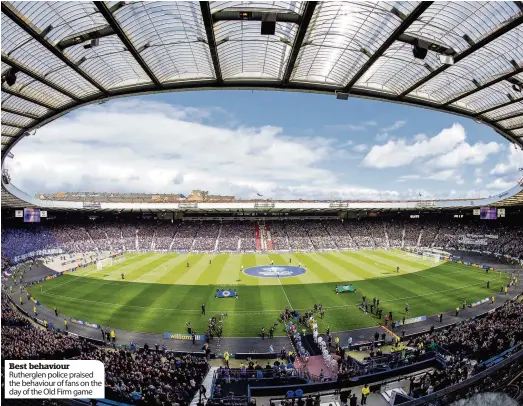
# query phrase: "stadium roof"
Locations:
[[460, 57], [14, 198]]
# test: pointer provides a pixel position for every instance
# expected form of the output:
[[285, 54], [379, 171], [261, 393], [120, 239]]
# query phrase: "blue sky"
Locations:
[[279, 144]]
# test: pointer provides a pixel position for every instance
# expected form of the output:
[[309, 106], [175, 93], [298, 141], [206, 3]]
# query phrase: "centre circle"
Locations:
[[274, 271]]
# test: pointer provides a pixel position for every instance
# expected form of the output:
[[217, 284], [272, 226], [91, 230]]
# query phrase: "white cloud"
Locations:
[[360, 148], [478, 181], [352, 127], [385, 132], [399, 153], [404, 178], [500, 183], [448, 149], [443, 175], [398, 124], [511, 164], [143, 146], [382, 136], [465, 154]]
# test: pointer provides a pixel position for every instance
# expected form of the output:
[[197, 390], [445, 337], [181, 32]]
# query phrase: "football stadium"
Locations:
[[281, 288]]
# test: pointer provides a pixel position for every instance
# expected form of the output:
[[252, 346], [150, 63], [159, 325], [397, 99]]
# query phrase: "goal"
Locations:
[[435, 254], [431, 255], [104, 263]]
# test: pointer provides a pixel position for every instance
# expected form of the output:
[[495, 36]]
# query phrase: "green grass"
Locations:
[[160, 293]]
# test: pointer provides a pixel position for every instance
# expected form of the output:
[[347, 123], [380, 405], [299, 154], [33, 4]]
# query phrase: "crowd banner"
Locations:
[[84, 323], [410, 321], [225, 293], [479, 302], [39, 253], [183, 336]]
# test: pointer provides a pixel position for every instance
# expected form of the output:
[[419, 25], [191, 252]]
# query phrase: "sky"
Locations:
[[284, 145]]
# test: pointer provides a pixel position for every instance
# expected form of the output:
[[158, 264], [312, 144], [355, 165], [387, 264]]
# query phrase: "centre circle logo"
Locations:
[[274, 271]]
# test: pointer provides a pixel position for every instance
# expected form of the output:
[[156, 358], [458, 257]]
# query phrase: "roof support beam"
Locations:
[[20, 113], [211, 40], [28, 98], [253, 15], [406, 23], [469, 51], [29, 29], [302, 30], [11, 62], [485, 85], [519, 127], [109, 17], [499, 106]]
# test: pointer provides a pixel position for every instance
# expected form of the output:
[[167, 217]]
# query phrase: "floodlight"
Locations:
[[268, 24], [446, 59], [9, 77], [418, 51], [342, 95]]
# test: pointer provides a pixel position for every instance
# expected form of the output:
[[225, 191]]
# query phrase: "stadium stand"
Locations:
[[151, 376], [306, 235]]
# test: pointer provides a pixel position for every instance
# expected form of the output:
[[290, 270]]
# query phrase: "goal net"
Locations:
[[431, 255], [435, 254], [104, 263]]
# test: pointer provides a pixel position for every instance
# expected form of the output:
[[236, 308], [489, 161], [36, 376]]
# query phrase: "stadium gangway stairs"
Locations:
[[207, 383]]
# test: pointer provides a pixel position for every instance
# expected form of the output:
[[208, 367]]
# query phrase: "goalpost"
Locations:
[[431, 255], [104, 263], [435, 254]]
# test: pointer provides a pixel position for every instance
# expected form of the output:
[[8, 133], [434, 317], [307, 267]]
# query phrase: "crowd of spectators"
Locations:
[[466, 347], [165, 233], [184, 238], [154, 377], [146, 233], [339, 234], [299, 239], [480, 339], [360, 231], [279, 238], [237, 236], [288, 235], [395, 229], [412, 233], [319, 235], [206, 236]]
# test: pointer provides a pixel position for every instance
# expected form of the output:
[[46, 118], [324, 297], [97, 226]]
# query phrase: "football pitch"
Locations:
[[160, 293]]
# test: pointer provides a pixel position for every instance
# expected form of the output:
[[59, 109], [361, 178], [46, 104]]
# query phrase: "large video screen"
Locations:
[[31, 215], [488, 213]]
